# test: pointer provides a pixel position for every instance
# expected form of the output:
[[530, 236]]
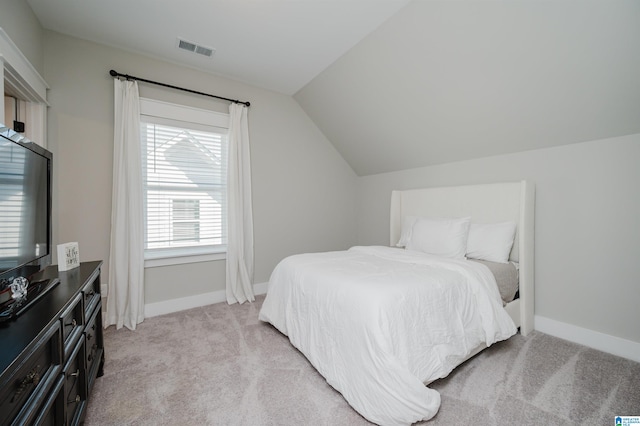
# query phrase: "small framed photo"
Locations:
[[68, 256]]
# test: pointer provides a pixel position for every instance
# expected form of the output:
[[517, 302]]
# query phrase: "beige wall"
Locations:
[[586, 225], [303, 191], [19, 22]]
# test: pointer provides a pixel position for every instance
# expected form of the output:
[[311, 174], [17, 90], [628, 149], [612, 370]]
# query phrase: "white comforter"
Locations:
[[379, 322]]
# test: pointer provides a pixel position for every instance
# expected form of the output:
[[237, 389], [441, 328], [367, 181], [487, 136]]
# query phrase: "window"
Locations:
[[184, 171], [185, 224]]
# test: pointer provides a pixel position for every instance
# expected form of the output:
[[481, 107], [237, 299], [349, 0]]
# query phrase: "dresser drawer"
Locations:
[[75, 393], [52, 413], [93, 347], [29, 384], [72, 323], [91, 297]]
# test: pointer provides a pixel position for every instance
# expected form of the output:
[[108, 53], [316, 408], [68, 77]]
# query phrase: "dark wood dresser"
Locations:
[[51, 354]]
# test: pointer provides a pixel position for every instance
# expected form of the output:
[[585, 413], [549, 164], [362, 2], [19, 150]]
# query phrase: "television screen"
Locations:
[[25, 235]]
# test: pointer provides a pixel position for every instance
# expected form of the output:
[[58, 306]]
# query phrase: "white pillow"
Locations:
[[405, 233], [442, 237], [491, 242]]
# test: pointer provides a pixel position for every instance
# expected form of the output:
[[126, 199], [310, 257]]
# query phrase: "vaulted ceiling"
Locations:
[[445, 81], [274, 44], [395, 84]]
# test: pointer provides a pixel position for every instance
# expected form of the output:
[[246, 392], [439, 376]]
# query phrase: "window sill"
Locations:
[[155, 262]]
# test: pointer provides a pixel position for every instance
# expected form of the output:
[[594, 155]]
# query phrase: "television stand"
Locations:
[[53, 352], [35, 290]]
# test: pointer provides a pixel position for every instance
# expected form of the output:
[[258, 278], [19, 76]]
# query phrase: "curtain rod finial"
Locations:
[[113, 73]]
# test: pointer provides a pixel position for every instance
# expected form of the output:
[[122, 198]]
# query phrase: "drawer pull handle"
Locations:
[[32, 378], [74, 400], [89, 337], [76, 374], [91, 293], [73, 323]]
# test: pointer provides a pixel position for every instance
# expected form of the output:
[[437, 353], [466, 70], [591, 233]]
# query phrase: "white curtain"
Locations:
[[125, 297], [240, 215]]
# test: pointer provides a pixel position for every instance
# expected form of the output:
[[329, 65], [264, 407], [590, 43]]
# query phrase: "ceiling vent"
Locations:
[[195, 48]]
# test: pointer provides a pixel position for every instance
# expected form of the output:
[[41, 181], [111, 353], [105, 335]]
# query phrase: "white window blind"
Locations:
[[12, 204], [23, 235], [184, 175]]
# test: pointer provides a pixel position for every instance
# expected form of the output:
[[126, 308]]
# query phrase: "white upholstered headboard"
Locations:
[[488, 203]]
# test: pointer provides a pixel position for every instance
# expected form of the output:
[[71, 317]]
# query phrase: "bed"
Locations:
[[382, 322]]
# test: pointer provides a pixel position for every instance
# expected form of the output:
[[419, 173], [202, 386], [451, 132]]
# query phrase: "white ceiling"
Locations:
[[279, 45]]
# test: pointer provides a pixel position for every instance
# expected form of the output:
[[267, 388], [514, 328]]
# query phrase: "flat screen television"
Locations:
[[25, 213]]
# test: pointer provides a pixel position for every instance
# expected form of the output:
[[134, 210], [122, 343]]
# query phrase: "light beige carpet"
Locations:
[[219, 365]]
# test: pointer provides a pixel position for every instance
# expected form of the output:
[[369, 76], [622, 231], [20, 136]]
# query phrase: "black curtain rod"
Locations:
[[130, 77]]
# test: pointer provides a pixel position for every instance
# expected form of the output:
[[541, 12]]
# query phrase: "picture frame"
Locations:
[[68, 256]]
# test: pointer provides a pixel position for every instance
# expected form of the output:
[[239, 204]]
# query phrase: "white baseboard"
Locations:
[[593, 339], [184, 303]]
